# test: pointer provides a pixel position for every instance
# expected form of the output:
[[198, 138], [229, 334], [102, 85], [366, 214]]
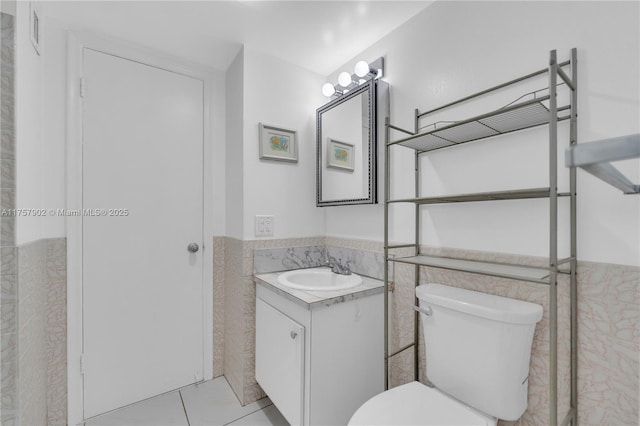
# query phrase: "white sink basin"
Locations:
[[318, 279]]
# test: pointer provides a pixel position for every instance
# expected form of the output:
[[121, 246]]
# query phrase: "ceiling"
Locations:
[[317, 35]]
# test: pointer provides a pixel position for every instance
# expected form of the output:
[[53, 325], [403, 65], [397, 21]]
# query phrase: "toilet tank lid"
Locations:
[[483, 305]]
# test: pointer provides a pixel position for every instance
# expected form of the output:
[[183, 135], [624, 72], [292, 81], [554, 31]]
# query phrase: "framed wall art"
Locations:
[[277, 143]]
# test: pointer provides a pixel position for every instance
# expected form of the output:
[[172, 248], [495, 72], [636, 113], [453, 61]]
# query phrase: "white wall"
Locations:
[[283, 95], [453, 49], [234, 147], [29, 129], [218, 141], [54, 141]]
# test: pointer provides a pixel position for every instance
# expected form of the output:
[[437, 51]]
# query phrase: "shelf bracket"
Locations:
[[595, 158]]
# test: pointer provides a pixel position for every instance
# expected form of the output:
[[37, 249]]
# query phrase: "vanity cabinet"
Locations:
[[318, 362]]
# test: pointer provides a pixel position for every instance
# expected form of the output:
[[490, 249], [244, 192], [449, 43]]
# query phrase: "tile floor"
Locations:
[[209, 403]]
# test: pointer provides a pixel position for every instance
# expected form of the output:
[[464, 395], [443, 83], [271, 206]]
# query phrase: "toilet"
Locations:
[[478, 348]]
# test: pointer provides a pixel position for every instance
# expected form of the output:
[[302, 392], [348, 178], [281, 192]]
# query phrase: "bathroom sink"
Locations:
[[318, 279]]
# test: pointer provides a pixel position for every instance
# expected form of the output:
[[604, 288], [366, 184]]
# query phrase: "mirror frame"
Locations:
[[369, 87]]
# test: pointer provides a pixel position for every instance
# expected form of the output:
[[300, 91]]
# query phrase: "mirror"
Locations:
[[346, 148]]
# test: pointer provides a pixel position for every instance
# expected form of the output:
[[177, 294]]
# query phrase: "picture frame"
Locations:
[[340, 155], [35, 27], [277, 143]]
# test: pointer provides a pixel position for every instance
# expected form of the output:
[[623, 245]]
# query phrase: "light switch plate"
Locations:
[[264, 226]]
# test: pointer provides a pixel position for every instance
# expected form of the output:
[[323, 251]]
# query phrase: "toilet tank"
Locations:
[[478, 347]]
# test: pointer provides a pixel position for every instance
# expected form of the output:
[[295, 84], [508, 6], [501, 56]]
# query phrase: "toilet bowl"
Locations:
[[417, 404], [478, 348]]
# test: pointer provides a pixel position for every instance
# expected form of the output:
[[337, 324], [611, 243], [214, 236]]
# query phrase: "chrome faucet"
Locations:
[[337, 267]]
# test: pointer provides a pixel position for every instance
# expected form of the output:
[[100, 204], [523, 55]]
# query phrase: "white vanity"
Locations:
[[319, 353]]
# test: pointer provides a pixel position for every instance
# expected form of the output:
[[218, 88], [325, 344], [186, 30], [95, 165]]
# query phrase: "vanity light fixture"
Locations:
[[329, 90], [362, 69], [363, 72], [344, 79]]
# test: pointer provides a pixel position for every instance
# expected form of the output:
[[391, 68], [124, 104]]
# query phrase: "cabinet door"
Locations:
[[280, 360]]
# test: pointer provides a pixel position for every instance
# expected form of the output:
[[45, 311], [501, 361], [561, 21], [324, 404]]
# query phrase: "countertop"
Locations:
[[314, 299]]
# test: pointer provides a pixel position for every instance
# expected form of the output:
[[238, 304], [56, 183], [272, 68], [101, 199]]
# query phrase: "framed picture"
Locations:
[[340, 154], [35, 32], [278, 144]]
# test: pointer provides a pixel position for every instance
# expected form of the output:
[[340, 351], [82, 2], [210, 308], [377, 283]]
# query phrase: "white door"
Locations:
[[142, 179]]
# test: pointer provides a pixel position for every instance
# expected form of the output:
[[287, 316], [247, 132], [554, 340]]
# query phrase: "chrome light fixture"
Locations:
[[362, 73], [344, 79], [329, 90]]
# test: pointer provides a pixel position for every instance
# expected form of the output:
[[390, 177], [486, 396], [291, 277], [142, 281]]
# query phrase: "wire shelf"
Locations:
[[503, 270], [511, 118]]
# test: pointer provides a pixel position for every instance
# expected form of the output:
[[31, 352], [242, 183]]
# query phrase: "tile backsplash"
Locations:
[[286, 259], [367, 263]]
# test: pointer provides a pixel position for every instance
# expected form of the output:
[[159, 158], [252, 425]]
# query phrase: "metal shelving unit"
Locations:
[[530, 110]]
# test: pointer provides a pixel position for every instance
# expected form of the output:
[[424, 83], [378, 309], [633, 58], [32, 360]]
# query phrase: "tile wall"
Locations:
[[38, 347], [218, 305], [608, 317], [8, 257], [608, 344], [56, 330], [32, 359]]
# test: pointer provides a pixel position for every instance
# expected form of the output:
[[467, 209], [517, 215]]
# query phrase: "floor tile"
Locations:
[[268, 416], [214, 403], [163, 410]]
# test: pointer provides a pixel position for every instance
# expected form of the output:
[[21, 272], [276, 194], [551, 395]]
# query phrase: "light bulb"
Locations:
[[344, 79], [328, 90], [361, 69]]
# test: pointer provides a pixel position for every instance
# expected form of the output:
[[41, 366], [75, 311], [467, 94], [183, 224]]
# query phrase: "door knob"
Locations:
[[293, 334], [193, 247]]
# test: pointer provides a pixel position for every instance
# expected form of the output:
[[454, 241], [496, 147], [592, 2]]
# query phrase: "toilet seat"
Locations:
[[417, 404]]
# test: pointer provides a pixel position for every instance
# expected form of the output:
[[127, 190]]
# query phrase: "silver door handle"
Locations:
[[293, 334], [193, 247]]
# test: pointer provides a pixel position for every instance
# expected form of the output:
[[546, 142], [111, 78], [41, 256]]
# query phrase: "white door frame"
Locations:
[[76, 42]]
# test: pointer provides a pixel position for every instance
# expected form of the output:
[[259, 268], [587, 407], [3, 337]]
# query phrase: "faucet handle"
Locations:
[[337, 267], [347, 268]]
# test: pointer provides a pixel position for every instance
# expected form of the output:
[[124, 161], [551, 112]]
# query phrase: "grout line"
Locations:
[[184, 408], [248, 414]]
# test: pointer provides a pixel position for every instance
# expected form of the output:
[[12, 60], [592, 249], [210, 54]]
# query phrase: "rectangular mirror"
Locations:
[[347, 148]]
